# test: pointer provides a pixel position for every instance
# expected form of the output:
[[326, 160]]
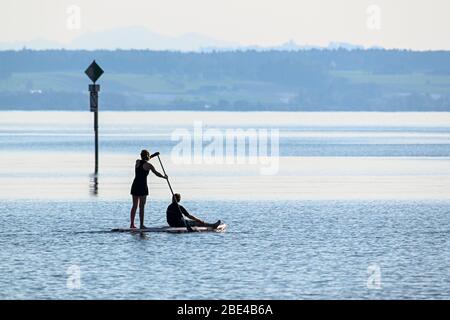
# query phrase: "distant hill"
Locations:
[[276, 79], [140, 38]]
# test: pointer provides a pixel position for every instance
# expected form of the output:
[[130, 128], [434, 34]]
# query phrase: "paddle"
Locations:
[[173, 195]]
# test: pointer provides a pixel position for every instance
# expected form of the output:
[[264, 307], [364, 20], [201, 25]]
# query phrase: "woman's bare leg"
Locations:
[[142, 201], [133, 211]]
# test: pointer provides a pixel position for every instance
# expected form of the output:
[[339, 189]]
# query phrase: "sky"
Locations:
[[411, 24]]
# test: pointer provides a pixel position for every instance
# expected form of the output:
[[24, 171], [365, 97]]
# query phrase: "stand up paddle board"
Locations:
[[221, 228]]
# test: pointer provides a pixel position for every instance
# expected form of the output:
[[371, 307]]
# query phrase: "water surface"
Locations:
[[353, 191]]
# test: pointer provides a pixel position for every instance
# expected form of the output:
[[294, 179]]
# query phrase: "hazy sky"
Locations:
[[417, 24]]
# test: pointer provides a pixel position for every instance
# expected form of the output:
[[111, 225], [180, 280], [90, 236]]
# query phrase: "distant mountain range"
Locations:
[[142, 38]]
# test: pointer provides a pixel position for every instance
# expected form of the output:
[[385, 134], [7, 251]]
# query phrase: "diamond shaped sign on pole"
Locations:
[[94, 71]]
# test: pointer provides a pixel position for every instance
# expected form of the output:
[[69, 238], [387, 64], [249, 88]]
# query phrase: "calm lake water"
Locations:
[[358, 207]]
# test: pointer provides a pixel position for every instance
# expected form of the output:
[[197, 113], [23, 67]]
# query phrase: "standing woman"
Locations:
[[139, 188]]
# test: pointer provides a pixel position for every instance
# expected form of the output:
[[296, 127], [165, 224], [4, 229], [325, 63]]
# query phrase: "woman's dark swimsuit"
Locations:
[[139, 186]]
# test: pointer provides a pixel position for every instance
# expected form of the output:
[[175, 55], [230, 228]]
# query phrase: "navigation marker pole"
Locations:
[[94, 72]]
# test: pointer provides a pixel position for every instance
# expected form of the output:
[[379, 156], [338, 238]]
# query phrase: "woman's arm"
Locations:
[[154, 155], [149, 167]]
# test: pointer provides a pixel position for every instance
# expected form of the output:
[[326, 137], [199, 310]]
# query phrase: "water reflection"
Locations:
[[142, 236], [323, 156], [93, 185]]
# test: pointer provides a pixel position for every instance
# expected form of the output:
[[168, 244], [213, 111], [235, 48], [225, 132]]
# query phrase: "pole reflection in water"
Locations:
[[93, 185]]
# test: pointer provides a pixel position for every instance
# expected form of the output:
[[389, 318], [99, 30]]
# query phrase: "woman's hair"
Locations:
[[145, 155]]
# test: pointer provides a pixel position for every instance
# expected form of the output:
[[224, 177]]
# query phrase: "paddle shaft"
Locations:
[[173, 195], [164, 171]]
